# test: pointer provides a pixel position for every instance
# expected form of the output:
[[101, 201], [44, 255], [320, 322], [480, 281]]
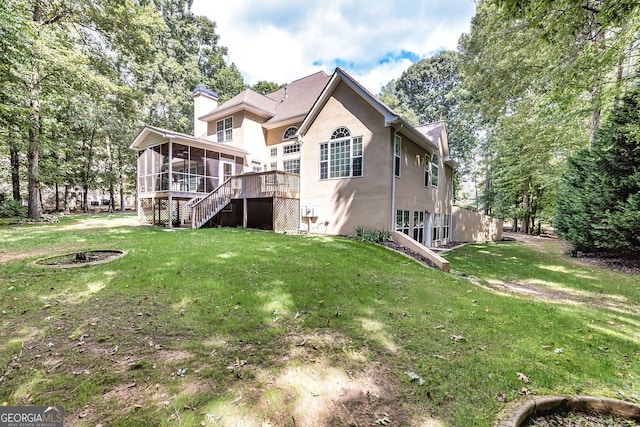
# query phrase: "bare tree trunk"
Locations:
[[110, 175], [487, 188], [34, 127], [85, 197], [86, 174], [66, 198], [57, 198], [14, 159], [34, 146]]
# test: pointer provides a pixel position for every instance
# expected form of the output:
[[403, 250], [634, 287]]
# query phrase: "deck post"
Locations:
[[170, 209], [244, 212]]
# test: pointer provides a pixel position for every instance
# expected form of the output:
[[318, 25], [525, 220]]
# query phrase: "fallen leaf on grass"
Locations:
[[456, 337], [522, 377], [525, 391], [501, 397], [415, 377]]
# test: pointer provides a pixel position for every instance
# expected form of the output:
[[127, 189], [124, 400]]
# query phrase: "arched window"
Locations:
[[289, 133], [341, 132], [341, 157]]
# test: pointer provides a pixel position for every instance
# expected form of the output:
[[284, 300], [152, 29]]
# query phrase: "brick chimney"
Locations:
[[204, 101]]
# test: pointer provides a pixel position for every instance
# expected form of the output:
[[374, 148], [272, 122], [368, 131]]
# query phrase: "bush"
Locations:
[[372, 236], [10, 208]]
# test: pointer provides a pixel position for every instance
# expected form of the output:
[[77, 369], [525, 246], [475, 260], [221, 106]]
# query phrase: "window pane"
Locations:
[[324, 170], [357, 147], [324, 152], [341, 132], [340, 159], [290, 132], [357, 166], [291, 166]]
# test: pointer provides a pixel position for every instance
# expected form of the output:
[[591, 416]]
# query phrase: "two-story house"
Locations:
[[321, 155]]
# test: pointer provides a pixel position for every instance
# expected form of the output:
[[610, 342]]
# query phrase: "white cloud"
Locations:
[[283, 40]]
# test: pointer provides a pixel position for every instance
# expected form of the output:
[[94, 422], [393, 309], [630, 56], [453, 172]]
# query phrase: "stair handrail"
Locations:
[[187, 210], [207, 207]]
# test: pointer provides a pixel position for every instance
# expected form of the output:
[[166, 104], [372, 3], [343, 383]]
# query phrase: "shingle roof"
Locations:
[[297, 98], [249, 97], [293, 100], [431, 130]]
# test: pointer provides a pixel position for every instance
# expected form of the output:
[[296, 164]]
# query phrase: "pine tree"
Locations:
[[598, 207]]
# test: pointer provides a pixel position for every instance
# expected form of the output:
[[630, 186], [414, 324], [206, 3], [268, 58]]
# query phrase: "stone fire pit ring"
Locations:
[[80, 259]]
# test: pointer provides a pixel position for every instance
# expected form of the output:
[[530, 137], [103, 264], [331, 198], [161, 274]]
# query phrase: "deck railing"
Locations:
[[247, 186]]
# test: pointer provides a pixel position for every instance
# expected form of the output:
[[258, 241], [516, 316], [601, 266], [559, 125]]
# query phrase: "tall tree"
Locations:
[[540, 74], [599, 204], [431, 89]]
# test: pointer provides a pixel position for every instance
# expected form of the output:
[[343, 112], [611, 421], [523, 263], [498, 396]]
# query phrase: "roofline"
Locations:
[[284, 122], [177, 136], [227, 111], [338, 76], [391, 119]]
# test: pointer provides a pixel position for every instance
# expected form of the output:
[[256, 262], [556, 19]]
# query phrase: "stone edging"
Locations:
[[80, 264], [548, 404]]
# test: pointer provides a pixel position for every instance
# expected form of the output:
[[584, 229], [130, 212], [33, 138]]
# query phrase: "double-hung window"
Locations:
[[291, 166], [436, 227], [224, 129], [402, 221], [445, 226], [418, 226], [342, 156], [397, 149], [434, 170], [427, 169]]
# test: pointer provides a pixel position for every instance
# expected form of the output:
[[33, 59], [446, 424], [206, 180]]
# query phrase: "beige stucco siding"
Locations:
[[274, 136], [247, 135], [410, 192], [341, 205]]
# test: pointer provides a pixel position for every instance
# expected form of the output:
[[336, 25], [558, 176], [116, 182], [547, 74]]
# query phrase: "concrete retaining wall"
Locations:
[[469, 226]]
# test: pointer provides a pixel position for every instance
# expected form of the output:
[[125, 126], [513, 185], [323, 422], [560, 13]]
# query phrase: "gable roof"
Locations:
[[435, 131], [291, 102], [426, 136], [149, 130]]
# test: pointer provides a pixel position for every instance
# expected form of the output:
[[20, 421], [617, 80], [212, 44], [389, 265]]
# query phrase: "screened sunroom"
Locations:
[[176, 169]]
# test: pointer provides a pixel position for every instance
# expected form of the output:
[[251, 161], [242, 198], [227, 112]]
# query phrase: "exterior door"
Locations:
[[226, 170]]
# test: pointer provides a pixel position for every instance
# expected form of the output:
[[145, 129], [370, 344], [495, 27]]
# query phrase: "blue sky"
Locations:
[[374, 40]]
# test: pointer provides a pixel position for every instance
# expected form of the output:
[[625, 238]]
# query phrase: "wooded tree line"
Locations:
[[80, 77], [525, 97]]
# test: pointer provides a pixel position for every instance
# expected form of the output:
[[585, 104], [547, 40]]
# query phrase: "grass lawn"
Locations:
[[238, 327]]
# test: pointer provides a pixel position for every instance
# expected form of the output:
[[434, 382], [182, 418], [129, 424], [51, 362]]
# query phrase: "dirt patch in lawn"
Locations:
[[629, 264]]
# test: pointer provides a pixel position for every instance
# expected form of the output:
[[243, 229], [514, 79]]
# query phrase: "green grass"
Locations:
[[275, 328]]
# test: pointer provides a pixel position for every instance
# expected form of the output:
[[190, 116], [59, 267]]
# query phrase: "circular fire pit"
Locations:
[[80, 259]]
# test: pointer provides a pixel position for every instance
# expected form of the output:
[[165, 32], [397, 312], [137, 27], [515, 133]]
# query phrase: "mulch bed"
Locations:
[[399, 248], [628, 264]]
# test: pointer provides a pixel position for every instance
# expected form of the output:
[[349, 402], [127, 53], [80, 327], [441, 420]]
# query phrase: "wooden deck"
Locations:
[[272, 184]]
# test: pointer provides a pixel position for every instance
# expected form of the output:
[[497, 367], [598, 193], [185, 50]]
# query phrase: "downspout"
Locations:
[[393, 180]]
